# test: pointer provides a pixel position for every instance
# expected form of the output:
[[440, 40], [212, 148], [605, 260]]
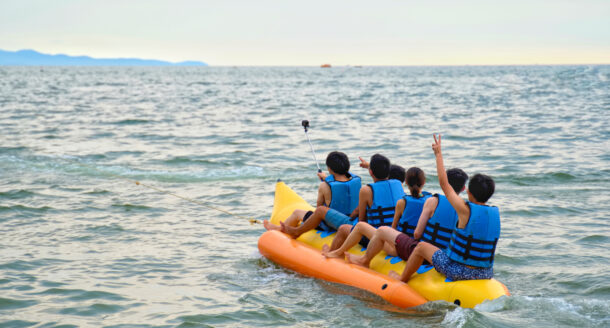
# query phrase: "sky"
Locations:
[[314, 32]]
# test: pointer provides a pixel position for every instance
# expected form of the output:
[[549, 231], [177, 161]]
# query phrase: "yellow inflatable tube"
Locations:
[[427, 284]]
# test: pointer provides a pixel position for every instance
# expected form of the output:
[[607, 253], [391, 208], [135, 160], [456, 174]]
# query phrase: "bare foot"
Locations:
[[356, 259], [270, 226], [394, 274], [325, 249], [291, 231], [333, 254]]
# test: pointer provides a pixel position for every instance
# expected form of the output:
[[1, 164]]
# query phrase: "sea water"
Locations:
[[81, 244]]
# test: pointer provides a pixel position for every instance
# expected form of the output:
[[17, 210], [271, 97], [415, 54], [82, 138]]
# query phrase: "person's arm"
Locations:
[[365, 198], [323, 195], [458, 203], [426, 214], [354, 213], [400, 207]]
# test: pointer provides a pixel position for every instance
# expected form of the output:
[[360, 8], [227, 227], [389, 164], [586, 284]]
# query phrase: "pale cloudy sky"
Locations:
[[313, 32]]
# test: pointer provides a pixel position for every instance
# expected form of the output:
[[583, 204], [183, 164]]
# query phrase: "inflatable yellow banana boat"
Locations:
[[303, 255]]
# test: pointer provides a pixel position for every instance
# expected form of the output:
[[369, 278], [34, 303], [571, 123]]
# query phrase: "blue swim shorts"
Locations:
[[457, 271], [334, 219]]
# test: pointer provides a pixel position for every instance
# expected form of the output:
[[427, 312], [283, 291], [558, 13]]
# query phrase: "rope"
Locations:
[[194, 201]]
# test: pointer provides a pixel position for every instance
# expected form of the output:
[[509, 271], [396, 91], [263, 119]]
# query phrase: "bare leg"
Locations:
[[380, 239], [390, 248], [312, 222], [388, 235], [292, 220], [340, 236], [423, 251], [361, 229]]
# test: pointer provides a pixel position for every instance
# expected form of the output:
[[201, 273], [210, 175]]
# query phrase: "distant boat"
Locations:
[[325, 65]]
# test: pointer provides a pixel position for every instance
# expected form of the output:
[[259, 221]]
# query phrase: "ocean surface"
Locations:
[[82, 245]]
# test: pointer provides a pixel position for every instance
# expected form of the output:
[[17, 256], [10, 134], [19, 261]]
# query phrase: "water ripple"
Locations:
[[83, 245]]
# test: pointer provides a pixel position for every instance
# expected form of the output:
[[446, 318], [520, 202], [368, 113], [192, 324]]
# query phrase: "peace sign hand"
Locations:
[[436, 146]]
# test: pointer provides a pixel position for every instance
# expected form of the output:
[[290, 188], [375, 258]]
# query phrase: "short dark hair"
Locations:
[[338, 162], [481, 187], [457, 179], [397, 172], [380, 166]]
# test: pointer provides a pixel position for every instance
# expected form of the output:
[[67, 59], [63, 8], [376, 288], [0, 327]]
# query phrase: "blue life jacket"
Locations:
[[475, 245], [385, 195], [440, 226], [344, 194], [410, 215]]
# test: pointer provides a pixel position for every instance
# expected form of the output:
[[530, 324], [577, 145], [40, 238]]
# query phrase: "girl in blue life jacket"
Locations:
[[409, 208], [471, 251]]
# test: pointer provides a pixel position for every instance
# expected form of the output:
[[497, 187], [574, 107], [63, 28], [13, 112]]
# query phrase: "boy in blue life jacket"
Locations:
[[379, 170], [396, 171], [472, 247], [406, 213], [338, 193], [435, 226]]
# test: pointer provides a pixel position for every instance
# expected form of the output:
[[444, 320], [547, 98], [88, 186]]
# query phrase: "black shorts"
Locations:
[[307, 215]]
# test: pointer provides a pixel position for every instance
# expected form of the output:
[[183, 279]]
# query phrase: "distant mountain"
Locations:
[[34, 58]]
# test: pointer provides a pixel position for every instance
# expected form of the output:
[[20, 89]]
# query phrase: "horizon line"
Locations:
[[315, 66]]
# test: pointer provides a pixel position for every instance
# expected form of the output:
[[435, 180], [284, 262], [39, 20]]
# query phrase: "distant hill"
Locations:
[[34, 58]]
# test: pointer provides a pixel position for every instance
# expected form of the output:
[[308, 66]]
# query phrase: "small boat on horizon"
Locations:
[[325, 66]]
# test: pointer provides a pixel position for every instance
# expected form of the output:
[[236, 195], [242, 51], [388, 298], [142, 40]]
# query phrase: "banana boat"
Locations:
[[303, 255]]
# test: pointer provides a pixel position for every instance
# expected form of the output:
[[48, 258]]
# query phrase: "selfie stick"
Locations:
[[305, 124]]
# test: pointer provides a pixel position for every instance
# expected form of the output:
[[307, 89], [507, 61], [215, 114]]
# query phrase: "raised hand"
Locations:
[[363, 164], [436, 146]]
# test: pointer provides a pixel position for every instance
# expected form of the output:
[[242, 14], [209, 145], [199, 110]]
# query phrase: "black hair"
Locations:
[[380, 166], [481, 187], [338, 162], [397, 172], [416, 178], [457, 179]]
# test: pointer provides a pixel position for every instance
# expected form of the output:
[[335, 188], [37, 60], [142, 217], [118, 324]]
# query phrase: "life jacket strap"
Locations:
[[466, 253], [432, 231], [379, 210]]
